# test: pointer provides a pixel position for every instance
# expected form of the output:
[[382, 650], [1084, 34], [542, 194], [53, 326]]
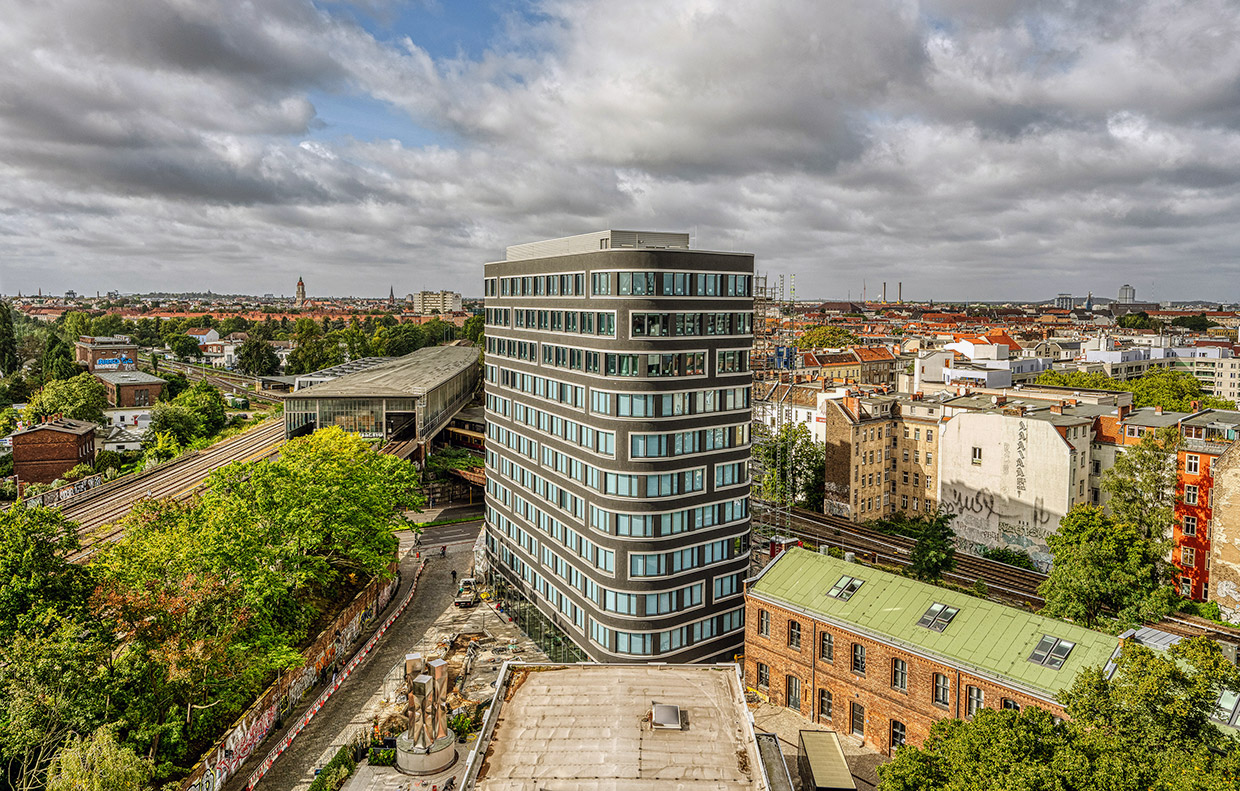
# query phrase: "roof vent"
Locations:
[[666, 717]]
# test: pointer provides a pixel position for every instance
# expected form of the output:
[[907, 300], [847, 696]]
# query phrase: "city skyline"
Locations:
[[968, 149]]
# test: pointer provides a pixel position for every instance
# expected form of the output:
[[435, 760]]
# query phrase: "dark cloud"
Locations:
[[986, 148]]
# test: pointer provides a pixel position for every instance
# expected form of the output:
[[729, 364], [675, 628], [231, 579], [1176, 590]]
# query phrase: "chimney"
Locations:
[[900, 292], [1123, 411], [1057, 409], [884, 292], [1158, 410], [1195, 406]]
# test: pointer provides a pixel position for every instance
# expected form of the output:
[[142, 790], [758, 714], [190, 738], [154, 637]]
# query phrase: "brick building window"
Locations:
[[899, 675], [794, 635], [1190, 526], [1188, 556], [824, 704], [1008, 703], [976, 700], [826, 647], [764, 676], [942, 690], [1190, 495], [858, 719], [764, 623], [858, 664], [1186, 587], [904, 499], [897, 734], [1192, 463], [793, 685]]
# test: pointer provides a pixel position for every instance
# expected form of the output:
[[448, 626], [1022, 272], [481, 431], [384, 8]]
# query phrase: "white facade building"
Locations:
[[425, 302]]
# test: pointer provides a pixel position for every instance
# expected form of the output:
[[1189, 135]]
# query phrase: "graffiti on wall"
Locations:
[[986, 520]]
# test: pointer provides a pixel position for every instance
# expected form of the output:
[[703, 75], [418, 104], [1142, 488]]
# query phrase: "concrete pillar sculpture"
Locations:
[[438, 669]]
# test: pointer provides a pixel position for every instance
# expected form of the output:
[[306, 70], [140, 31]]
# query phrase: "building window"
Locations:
[[929, 438], [824, 704], [1190, 495], [858, 719], [845, 588], [897, 735], [937, 617], [1010, 704], [858, 664], [1186, 587], [904, 502], [1188, 556], [826, 647], [942, 690], [976, 700], [793, 685], [1192, 463], [1051, 651], [899, 675], [977, 455], [764, 676], [764, 623], [1190, 526], [794, 635]]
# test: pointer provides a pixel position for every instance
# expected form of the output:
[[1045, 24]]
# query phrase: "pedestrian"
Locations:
[[443, 551], [453, 576]]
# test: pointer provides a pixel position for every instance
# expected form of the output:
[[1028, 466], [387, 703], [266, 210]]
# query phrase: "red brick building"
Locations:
[[106, 352], [129, 389], [883, 657], [44, 452], [1206, 435]]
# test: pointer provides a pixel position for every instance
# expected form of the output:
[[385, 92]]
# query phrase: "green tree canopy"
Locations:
[[183, 346], [76, 324], [98, 763], [825, 336], [82, 398], [257, 357], [8, 341], [473, 329], [935, 550], [1198, 323], [205, 400], [1169, 389], [1101, 566], [58, 360], [36, 577], [792, 466], [1143, 482], [177, 421]]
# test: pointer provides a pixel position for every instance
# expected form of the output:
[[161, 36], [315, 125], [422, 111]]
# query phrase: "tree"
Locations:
[[180, 423], [1142, 484], [935, 550], [1169, 389], [174, 385], [474, 327], [257, 358], [825, 336], [8, 341], [58, 361], [184, 347], [76, 324], [400, 339], [1198, 323], [98, 763], [789, 461], [107, 324], [1012, 557], [1147, 727], [36, 577], [1105, 565], [205, 400], [81, 398]]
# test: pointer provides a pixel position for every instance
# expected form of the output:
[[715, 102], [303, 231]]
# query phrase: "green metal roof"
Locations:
[[989, 637]]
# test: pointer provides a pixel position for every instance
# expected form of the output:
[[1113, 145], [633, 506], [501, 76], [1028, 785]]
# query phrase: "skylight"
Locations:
[[938, 617], [845, 588], [1051, 651]]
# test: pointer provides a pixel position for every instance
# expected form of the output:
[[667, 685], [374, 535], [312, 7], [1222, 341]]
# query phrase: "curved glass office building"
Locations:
[[618, 415]]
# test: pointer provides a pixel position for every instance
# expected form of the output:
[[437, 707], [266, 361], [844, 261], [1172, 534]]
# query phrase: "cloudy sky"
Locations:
[[989, 149]]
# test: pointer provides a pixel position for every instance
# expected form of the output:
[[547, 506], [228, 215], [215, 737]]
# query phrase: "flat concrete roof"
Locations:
[[127, 377], [405, 377], [588, 727]]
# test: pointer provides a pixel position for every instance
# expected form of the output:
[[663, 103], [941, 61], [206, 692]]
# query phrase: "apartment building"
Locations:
[[618, 417], [858, 433], [426, 302], [916, 454]]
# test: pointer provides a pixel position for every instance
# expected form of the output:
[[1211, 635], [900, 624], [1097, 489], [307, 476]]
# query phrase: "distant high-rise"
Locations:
[[1064, 301], [425, 302], [618, 412], [1127, 294], [301, 293]]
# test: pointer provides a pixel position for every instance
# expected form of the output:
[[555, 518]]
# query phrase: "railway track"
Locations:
[[236, 383], [97, 514]]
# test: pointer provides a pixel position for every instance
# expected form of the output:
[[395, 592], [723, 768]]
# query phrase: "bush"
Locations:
[[460, 725], [1012, 557], [382, 756], [338, 769]]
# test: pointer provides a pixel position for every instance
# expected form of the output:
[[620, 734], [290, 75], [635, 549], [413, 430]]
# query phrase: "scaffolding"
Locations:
[[774, 363]]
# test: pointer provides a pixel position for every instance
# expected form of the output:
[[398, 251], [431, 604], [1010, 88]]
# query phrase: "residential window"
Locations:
[[858, 663], [897, 734], [824, 704], [977, 455], [764, 623], [942, 690], [899, 675], [1051, 651], [916, 503], [764, 676], [1188, 556], [916, 433], [1186, 587], [1190, 526], [976, 700], [793, 685], [826, 647], [929, 460], [794, 635], [1192, 463], [906, 432], [1010, 704], [1190, 495], [858, 719], [903, 502], [929, 438]]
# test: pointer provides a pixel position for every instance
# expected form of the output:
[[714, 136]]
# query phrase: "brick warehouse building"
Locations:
[[127, 389], [106, 352], [44, 452], [883, 657]]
